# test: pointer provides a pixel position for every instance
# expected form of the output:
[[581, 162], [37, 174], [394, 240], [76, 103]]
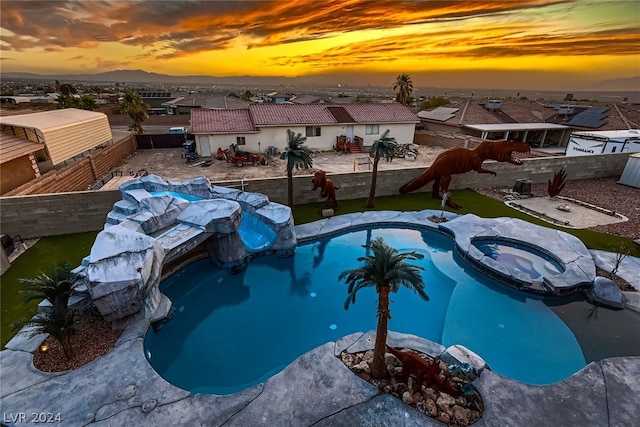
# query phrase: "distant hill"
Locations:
[[141, 76], [631, 83], [517, 81]]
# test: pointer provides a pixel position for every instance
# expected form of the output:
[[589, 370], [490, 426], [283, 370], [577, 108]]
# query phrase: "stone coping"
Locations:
[[566, 249], [121, 388]]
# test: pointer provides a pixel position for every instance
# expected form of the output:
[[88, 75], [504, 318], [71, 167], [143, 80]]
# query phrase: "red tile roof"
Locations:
[[290, 114], [220, 121], [287, 114]]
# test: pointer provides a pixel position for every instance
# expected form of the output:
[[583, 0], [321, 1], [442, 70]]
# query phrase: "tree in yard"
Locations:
[[383, 147], [404, 86], [386, 269], [56, 288], [133, 106], [298, 156]]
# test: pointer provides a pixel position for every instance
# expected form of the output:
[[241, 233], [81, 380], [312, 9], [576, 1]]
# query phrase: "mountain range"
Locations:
[[436, 79]]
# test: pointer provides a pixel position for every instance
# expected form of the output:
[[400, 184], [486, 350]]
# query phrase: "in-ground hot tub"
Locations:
[[523, 255], [527, 265]]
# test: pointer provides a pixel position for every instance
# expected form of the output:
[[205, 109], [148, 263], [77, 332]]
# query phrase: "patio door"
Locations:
[[350, 132], [205, 148]]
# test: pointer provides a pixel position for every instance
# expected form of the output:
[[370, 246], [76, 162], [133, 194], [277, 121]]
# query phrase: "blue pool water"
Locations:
[[230, 332], [525, 259], [187, 197]]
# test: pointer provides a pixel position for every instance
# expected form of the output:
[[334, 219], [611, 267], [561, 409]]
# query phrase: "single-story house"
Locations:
[[540, 124], [265, 125], [64, 133]]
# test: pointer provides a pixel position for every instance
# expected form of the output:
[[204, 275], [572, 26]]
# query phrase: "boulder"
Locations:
[[606, 292]]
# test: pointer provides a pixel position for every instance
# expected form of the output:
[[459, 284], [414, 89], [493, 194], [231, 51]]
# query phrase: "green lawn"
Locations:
[[50, 252], [47, 254]]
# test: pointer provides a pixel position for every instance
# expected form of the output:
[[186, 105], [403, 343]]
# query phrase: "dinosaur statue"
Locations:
[[327, 189], [425, 371], [460, 160]]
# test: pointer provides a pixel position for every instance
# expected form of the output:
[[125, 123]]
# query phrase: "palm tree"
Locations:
[[404, 85], [386, 269], [383, 147], [55, 287], [133, 106], [298, 156]]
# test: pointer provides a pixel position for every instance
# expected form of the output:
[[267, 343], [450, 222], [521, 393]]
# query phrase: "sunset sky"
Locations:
[[545, 41]]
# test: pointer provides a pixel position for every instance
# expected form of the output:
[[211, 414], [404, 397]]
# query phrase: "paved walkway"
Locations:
[[317, 389]]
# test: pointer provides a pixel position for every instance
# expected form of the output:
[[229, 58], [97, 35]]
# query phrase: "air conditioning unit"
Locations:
[[494, 104], [566, 109]]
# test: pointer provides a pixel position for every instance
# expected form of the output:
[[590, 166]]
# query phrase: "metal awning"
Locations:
[[508, 127], [12, 148]]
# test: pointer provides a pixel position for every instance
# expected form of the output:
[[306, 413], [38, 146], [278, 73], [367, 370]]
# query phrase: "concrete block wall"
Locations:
[[55, 214], [354, 185], [65, 213]]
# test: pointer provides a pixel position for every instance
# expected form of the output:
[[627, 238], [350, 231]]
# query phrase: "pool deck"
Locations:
[[317, 389]]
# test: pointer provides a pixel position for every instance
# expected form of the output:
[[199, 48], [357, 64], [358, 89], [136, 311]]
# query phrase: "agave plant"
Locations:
[[559, 180]]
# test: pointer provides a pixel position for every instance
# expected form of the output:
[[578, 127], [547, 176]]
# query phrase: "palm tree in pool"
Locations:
[[404, 86], [59, 321], [383, 147], [385, 270], [298, 156], [133, 106]]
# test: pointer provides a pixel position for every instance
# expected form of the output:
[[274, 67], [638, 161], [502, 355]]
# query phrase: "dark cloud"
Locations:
[[82, 23], [171, 29]]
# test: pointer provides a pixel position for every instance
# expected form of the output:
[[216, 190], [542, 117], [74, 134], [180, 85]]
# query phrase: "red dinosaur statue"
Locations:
[[460, 160], [327, 189], [425, 371]]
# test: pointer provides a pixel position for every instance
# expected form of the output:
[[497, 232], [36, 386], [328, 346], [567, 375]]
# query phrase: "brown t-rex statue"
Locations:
[[460, 160], [327, 189]]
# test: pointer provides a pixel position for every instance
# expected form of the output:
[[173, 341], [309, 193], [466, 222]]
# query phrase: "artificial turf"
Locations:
[[43, 257]]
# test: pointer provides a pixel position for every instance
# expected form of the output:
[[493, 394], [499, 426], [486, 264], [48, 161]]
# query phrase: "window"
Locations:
[[312, 131], [240, 140], [372, 129]]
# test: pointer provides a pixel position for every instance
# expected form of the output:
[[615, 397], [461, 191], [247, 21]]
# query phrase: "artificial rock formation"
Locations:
[[145, 231]]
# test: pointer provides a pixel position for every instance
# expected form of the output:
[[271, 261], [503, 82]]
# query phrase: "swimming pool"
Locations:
[[230, 332]]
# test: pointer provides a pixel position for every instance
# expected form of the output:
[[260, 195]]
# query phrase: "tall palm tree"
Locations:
[[386, 270], [383, 147], [55, 287], [133, 106], [298, 156], [404, 86]]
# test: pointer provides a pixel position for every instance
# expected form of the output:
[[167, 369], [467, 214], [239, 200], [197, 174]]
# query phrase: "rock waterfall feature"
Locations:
[[159, 222]]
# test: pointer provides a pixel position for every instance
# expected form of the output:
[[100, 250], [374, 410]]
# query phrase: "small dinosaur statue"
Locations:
[[327, 189], [425, 371], [460, 160]]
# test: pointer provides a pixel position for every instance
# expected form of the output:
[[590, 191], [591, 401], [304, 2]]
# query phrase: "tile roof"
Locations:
[[221, 121], [287, 114], [472, 112], [290, 114]]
